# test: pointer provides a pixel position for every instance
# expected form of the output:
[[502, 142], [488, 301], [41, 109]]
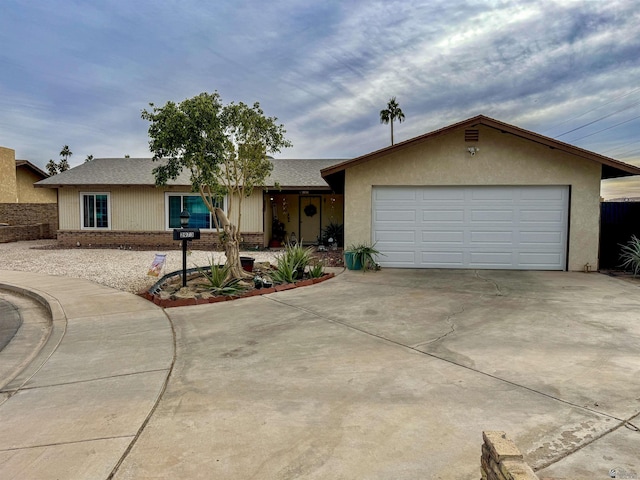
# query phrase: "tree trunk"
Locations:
[[231, 244]]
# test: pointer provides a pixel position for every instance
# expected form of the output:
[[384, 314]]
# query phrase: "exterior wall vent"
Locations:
[[472, 135]]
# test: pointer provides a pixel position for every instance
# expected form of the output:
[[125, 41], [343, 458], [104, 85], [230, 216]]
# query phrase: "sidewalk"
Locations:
[[93, 382]]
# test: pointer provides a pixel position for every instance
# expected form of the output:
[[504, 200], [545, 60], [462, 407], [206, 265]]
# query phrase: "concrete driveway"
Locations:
[[395, 374]]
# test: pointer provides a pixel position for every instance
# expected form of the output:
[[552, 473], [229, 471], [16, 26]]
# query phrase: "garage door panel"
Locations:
[[399, 258], [542, 194], [443, 216], [542, 216], [440, 195], [490, 259], [397, 236], [395, 194], [507, 227], [396, 216], [444, 237], [439, 259], [538, 260], [541, 238], [493, 238], [492, 216], [492, 194]]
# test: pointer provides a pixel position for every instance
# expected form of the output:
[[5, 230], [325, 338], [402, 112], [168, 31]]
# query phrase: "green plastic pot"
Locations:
[[351, 261]]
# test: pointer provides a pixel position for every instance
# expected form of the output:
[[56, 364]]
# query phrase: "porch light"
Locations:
[[184, 218]]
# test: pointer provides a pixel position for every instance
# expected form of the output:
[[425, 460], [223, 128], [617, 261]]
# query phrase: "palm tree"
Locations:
[[391, 113]]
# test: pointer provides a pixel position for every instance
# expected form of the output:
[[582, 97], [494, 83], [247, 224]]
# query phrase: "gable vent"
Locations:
[[472, 135]]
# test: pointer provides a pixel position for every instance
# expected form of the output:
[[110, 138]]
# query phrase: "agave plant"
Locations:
[[365, 255], [316, 269], [286, 270], [218, 278], [630, 255]]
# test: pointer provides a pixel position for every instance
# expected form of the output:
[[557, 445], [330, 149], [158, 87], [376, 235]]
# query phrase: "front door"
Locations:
[[310, 219]]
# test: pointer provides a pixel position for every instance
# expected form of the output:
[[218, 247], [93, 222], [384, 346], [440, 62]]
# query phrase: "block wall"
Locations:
[[501, 459], [147, 240], [30, 214], [19, 233]]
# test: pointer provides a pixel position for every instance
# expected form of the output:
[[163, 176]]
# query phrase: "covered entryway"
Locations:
[[486, 227]]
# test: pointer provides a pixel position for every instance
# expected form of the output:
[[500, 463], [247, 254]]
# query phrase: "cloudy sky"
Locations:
[[79, 73]]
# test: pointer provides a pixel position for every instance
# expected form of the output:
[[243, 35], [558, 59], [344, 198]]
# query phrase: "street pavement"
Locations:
[[385, 375]]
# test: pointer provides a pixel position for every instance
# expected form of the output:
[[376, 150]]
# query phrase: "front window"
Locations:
[[200, 217], [94, 210]]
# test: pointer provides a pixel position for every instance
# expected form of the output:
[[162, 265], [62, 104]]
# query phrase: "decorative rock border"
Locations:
[[183, 302]]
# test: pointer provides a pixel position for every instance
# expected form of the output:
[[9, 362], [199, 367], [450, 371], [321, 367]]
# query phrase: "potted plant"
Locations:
[[361, 256]]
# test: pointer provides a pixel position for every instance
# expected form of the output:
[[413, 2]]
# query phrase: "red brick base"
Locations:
[[125, 239]]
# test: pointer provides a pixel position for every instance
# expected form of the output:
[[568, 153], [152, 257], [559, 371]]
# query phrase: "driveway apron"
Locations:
[[395, 374]]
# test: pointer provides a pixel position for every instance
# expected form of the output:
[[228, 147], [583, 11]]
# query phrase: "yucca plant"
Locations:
[[218, 279], [630, 255]]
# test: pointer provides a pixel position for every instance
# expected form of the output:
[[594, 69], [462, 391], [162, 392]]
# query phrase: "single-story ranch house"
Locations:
[[477, 194], [114, 202]]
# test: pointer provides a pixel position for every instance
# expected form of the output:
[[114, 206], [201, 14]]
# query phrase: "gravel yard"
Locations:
[[121, 269]]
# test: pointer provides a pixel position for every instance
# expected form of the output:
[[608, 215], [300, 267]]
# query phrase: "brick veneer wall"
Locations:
[[31, 214], [111, 238], [501, 459], [18, 233]]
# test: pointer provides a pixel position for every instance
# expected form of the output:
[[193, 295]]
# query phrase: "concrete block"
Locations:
[[501, 447]]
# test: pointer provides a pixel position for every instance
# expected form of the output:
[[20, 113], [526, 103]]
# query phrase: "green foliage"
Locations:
[[316, 269], [286, 270], [218, 279], [54, 168], [335, 231], [365, 255], [292, 262], [630, 255], [224, 147], [391, 113]]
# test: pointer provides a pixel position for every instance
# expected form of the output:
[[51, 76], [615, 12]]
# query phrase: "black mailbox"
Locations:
[[186, 233]]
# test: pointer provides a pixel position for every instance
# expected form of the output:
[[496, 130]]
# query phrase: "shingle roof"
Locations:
[[288, 173], [32, 167]]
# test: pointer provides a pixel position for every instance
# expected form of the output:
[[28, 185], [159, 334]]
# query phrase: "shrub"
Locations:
[[335, 231], [630, 255]]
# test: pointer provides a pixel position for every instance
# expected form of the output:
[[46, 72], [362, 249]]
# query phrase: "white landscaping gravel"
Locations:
[[121, 269]]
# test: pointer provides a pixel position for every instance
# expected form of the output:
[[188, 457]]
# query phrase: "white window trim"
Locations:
[[182, 194], [82, 194]]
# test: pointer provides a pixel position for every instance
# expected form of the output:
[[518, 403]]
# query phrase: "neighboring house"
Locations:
[[17, 178], [477, 194], [114, 201], [25, 212]]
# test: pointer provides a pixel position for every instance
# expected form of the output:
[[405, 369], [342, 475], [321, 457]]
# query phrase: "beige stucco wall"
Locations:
[[503, 159], [27, 193], [143, 208], [8, 184]]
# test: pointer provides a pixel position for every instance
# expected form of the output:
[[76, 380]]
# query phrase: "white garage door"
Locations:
[[521, 228]]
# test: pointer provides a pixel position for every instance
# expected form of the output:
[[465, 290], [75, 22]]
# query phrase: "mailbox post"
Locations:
[[185, 234]]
